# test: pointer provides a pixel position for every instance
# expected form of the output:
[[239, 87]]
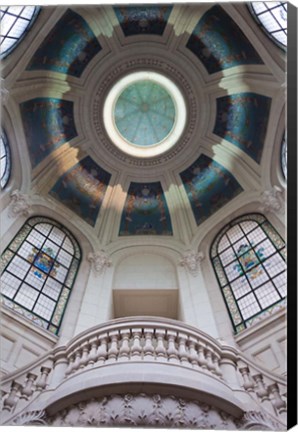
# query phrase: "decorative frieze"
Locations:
[[143, 410]]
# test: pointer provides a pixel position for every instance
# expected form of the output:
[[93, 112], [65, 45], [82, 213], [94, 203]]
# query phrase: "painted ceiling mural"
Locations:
[[242, 119], [145, 211], [209, 186], [68, 48], [136, 20], [82, 189], [219, 43], [48, 123]]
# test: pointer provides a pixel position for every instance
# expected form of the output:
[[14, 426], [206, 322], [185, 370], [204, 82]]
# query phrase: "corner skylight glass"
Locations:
[[272, 17], [4, 160], [15, 22]]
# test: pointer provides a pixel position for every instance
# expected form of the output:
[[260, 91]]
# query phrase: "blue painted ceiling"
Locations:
[[144, 115]]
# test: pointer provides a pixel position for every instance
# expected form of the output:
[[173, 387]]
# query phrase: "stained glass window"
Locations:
[[284, 156], [272, 18], [5, 165], [15, 21], [248, 257], [38, 271]]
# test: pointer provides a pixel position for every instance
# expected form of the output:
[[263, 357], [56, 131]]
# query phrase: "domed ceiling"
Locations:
[[193, 112]]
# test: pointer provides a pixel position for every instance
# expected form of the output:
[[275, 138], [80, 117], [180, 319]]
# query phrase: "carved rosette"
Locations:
[[20, 204], [191, 261], [99, 261]]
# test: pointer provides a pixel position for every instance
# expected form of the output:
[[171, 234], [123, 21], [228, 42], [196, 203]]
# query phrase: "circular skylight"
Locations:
[[15, 21], [272, 17], [144, 114]]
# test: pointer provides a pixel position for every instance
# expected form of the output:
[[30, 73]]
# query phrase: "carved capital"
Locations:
[[20, 204], [272, 200], [191, 260], [99, 260]]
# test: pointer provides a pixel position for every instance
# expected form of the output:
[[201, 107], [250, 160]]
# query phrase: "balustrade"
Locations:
[[151, 342]]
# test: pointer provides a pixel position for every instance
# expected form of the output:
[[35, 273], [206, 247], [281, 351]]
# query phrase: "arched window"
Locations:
[[38, 269], [5, 163], [272, 18], [248, 257], [283, 157], [15, 21]]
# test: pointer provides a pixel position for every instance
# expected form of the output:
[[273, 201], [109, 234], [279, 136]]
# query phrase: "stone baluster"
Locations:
[[42, 382], [85, 355], [12, 399], [61, 365], [277, 402], [124, 351], [93, 351], [148, 347], [182, 353], [102, 350], [27, 391], [136, 349], [160, 347], [248, 384], [113, 350], [193, 354], [228, 366], [172, 350], [216, 360], [77, 361], [70, 364], [210, 364], [261, 390], [201, 355]]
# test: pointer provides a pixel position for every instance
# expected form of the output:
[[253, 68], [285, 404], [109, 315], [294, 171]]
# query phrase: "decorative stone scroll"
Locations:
[[191, 260], [143, 410], [34, 418], [20, 204], [272, 200], [99, 260]]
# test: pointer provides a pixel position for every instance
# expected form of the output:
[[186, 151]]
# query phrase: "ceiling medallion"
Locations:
[[144, 114]]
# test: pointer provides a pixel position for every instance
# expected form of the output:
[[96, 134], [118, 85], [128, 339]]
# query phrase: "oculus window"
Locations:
[[39, 268], [272, 18], [248, 257], [15, 21], [5, 162]]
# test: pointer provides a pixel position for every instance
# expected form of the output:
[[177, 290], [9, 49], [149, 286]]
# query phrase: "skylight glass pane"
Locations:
[[15, 22], [4, 160], [272, 17], [16, 10]]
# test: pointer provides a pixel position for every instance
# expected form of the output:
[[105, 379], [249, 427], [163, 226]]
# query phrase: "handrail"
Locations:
[[152, 339]]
